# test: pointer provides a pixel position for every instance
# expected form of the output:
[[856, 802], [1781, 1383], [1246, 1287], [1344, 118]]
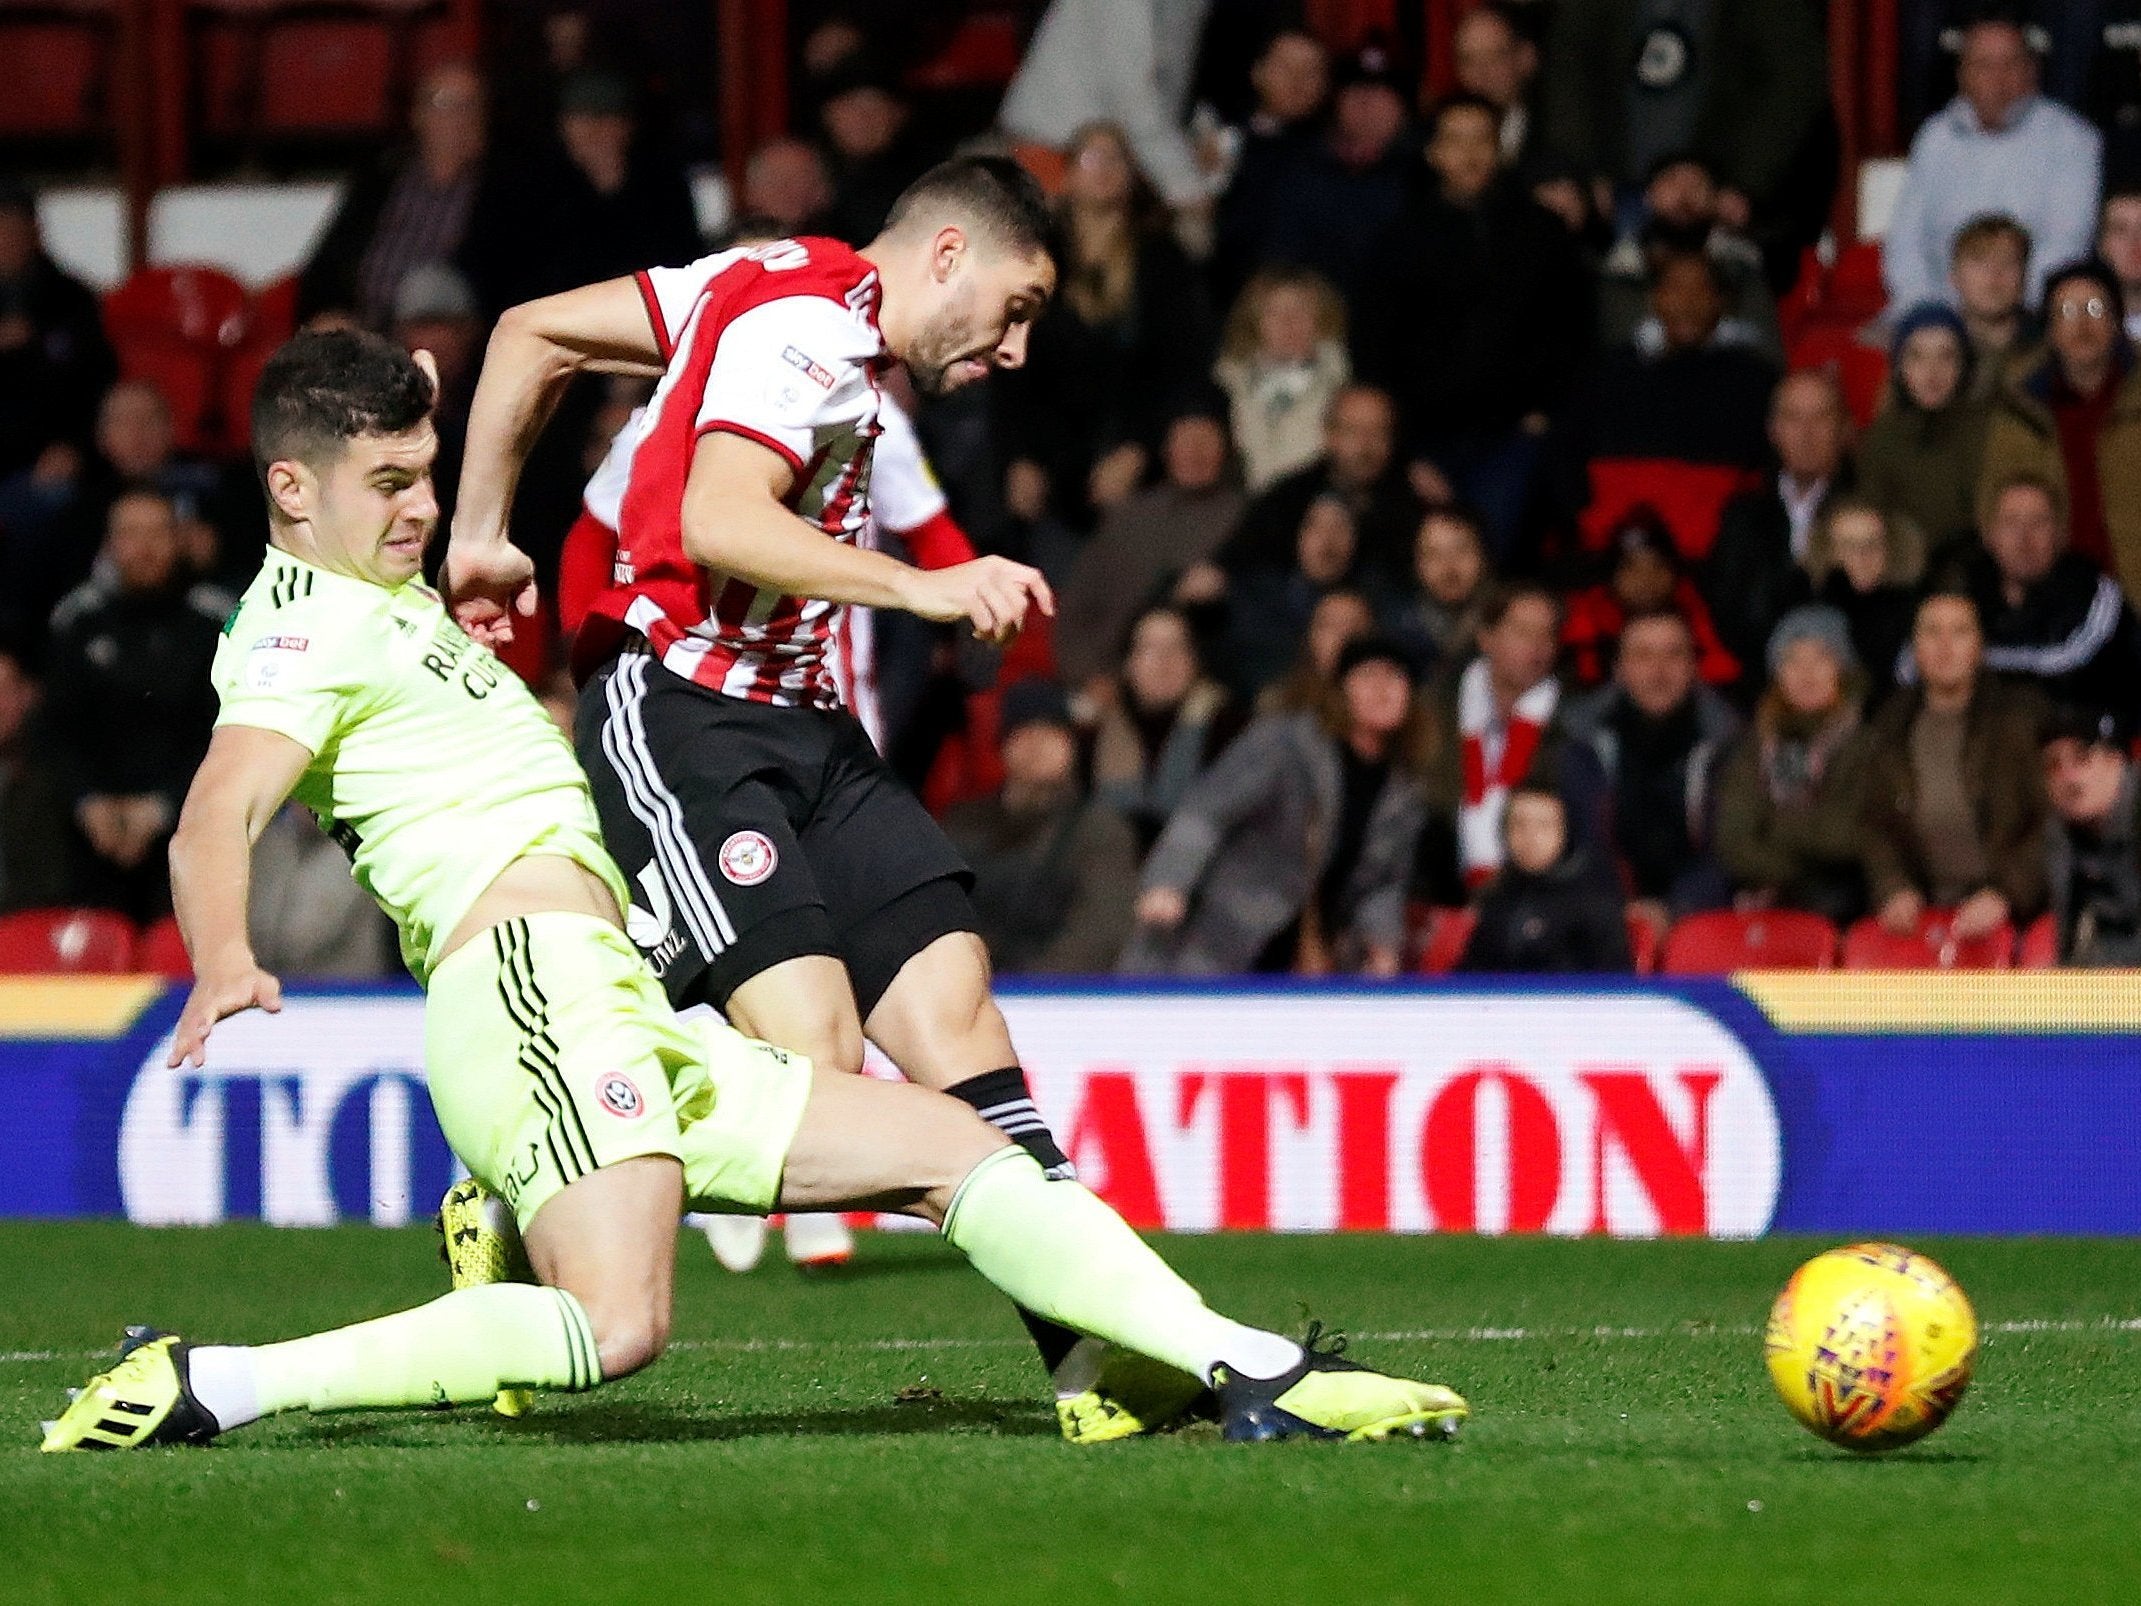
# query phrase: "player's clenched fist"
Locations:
[[991, 593], [486, 584], [217, 998]]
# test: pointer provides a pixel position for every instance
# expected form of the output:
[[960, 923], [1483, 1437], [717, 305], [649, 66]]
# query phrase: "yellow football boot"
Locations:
[[1131, 1394], [1329, 1397], [143, 1400], [481, 1244]]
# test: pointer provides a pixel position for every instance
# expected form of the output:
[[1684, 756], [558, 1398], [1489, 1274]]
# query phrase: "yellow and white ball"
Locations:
[[1871, 1346]]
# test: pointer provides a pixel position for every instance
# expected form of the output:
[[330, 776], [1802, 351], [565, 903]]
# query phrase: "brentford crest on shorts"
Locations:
[[778, 344]]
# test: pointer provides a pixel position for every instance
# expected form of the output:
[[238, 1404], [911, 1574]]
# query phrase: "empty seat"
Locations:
[[1720, 941], [1689, 497], [2039, 947], [1448, 930], [1933, 946], [55, 72], [200, 305], [325, 75], [161, 951], [63, 941]]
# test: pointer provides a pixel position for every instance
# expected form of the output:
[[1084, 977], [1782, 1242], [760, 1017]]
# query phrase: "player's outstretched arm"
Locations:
[[533, 353], [736, 522], [236, 791]]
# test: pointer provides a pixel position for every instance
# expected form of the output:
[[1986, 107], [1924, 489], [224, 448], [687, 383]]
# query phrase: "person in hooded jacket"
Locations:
[[1552, 908], [1919, 458]]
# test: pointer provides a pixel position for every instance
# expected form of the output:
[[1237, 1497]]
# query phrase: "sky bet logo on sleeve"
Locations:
[[817, 373]]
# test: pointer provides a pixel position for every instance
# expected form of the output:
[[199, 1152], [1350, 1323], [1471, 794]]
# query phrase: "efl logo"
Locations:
[[1631, 1116]]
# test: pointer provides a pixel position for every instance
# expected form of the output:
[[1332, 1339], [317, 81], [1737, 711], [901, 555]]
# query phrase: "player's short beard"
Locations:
[[938, 347]]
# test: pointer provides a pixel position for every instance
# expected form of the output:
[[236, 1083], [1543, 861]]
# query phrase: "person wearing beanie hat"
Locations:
[[2072, 417], [1820, 624], [2093, 842], [1054, 872], [1791, 791], [1919, 458]]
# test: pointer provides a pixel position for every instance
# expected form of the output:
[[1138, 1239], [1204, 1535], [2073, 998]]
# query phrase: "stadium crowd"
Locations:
[[1469, 504]]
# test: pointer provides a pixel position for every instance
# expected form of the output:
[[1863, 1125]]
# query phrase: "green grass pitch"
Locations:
[[881, 1438]]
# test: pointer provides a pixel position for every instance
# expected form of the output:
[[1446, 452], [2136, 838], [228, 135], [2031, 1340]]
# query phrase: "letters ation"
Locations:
[[1245, 1134]]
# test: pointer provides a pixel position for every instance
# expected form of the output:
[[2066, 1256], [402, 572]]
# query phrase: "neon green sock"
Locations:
[[1062, 1253], [462, 1347]]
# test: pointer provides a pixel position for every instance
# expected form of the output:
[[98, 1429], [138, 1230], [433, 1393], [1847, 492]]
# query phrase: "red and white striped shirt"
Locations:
[[779, 344]]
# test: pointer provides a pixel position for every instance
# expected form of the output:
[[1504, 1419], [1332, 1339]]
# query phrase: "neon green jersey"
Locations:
[[432, 764]]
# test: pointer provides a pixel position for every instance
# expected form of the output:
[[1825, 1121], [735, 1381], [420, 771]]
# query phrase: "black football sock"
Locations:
[[1003, 1099]]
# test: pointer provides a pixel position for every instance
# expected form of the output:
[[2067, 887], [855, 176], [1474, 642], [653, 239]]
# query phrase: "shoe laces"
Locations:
[[1321, 1341]]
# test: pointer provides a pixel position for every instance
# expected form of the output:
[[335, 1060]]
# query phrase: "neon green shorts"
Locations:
[[551, 1050]]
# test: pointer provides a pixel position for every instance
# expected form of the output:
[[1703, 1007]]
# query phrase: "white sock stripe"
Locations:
[[623, 744], [1009, 1107], [645, 749]]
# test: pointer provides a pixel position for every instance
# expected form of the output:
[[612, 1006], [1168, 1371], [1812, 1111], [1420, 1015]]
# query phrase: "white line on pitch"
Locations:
[[1408, 1335]]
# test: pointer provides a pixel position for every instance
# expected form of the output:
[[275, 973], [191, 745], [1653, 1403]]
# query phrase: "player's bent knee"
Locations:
[[629, 1337]]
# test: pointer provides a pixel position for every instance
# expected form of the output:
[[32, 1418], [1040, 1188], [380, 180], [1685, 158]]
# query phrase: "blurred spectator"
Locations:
[[603, 203], [1999, 146], [1920, 456], [306, 916], [1498, 726], [1165, 728], [1792, 792], [1054, 874], [1341, 617], [1269, 607], [435, 310], [1437, 618], [1740, 82], [52, 531], [1292, 852], [1657, 735], [131, 705], [54, 359], [1282, 362], [1144, 544], [1646, 576], [1683, 389], [1551, 909], [874, 150], [1127, 338], [33, 809], [1359, 465], [1344, 191], [1291, 79], [786, 184], [2072, 416], [1124, 62], [414, 205], [1955, 804], [2118, 242], [1866, 566], [2093, 839], [1682, 215], [1474, 315], [1756, 572], [1496, 58], [2050, 615], [1987, 272]]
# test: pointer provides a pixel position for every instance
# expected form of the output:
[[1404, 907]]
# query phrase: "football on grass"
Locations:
[[1871, 1346]]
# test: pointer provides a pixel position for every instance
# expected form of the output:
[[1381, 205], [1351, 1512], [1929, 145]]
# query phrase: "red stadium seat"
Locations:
[[1643, 943], [273, 314], [186, 376], [48, 942], [1861, 370], [1867, 946], [1719, 941], [55, 71], [2039, 947], [1448, 930], [1798, 306], [161, 951], [1854, 292], [982, 51], [325, 75], [200, 305], [1690, 497]]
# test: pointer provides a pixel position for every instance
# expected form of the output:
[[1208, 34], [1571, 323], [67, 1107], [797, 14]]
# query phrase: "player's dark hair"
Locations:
[[327, 386], [994, 193]]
